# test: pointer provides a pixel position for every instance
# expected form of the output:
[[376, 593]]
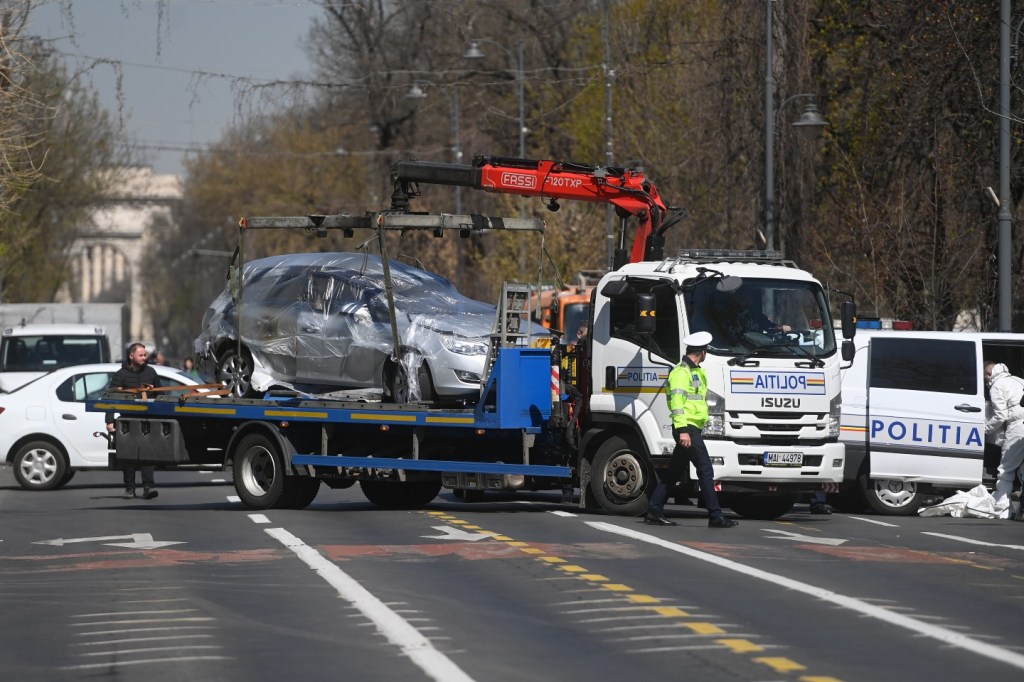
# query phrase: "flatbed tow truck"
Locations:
[[594, 417]]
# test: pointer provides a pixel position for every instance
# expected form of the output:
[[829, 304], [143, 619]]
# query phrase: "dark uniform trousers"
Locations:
[[681, 458]]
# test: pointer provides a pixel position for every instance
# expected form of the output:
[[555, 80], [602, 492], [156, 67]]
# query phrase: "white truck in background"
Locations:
[[113, 317], [28, 351]]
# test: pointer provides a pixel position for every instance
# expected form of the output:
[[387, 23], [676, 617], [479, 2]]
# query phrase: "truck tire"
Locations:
[[400, 494], [299, 492], [621, 478], [259, 473], [40, 465], [758, 506], [890, 497], [235, 372]]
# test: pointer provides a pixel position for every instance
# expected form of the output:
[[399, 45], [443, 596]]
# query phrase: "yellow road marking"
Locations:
[[740, 646], [594, 577], [553, 559], [705, 628], [670, 611], [573, 569], [779, 664], [643, 599], [617, 587]]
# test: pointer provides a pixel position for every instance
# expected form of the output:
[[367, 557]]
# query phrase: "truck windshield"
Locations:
[[46, 353], [769, 318]]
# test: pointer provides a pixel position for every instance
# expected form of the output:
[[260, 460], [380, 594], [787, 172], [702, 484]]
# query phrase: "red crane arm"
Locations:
[[625, 188]]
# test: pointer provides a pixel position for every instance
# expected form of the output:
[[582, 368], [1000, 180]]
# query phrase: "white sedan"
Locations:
[[45, 432]]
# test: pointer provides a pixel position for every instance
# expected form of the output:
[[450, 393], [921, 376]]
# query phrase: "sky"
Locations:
[[167, 107]]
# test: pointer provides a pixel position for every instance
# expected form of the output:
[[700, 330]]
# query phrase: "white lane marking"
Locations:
[[219, 480], [131, 613], [259, 518], [972, 542], [875, 521], [144, 661], [150, 649], [96, 633], [944, 635], [161, 638], [797, 537], [399, 632], [562, 513], [234, 498], [194, 619]]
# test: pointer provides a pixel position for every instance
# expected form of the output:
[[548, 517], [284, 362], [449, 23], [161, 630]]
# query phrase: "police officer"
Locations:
[[687, 405]]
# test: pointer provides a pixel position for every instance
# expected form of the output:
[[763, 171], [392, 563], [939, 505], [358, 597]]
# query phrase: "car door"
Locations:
[[926, 409], [76, 426]]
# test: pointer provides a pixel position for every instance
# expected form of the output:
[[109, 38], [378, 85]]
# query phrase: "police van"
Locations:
[[913, 414]]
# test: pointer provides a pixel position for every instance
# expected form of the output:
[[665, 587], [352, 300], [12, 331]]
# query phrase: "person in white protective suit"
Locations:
[[1007, 415]]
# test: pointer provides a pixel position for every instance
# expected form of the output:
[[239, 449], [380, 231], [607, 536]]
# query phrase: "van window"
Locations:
[[932, 365]]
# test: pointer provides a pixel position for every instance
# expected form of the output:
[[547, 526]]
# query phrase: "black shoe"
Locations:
[[821, 509], [722, 522], [129, 494], [658, 520], [149, 493]]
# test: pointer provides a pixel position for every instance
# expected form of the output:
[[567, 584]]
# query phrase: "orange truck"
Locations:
[[566, 309]]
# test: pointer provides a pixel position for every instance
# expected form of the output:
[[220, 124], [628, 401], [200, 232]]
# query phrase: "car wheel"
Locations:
[[426, 382], [396, 382], [235, 372], [40, 465]]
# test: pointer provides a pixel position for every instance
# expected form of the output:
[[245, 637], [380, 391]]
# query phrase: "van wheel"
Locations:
[[621, 478], [891, 497]]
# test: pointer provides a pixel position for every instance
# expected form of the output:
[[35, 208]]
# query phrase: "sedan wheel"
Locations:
[[40, 465], [235, 372]]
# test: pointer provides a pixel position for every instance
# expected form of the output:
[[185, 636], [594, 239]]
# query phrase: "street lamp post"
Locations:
[[417, 93], [474, 53], [809, 124]]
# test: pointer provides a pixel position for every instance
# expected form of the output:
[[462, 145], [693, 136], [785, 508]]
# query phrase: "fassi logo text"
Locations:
[[518, 180]]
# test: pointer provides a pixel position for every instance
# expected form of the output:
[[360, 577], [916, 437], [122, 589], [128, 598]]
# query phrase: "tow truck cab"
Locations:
[[773, 370]]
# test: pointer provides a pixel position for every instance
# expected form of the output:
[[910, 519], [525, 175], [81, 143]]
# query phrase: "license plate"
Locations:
[[783, 459]]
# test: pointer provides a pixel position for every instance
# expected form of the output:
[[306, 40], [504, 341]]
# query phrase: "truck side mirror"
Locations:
[[646, 321], [848, 350], [848, 315]]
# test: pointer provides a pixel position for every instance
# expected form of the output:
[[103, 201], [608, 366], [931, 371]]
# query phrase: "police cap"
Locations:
[[697, 342]]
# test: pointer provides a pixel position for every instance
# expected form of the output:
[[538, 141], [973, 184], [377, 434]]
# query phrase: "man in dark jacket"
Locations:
[[135, 373]]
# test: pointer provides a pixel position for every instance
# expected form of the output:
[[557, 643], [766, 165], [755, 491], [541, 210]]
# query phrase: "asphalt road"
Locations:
[[193, 585]]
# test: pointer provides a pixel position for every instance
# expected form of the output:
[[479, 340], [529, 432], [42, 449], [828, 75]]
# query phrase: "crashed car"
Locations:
[[320, 323]]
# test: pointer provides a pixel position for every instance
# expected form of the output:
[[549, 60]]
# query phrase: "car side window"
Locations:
[[167, 382], [931, 365], [82, 387]]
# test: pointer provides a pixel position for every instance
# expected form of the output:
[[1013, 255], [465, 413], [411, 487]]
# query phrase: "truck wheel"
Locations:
[[621, 479], [891, 497], [400, 494], [40, 465], [756, 506], [235, 372], [259, 472], [299, 492]]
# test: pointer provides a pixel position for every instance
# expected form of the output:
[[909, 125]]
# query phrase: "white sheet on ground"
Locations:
[[976, 502]]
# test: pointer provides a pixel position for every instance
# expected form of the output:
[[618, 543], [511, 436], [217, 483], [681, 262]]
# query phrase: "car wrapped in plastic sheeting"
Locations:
[[319, 323]]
